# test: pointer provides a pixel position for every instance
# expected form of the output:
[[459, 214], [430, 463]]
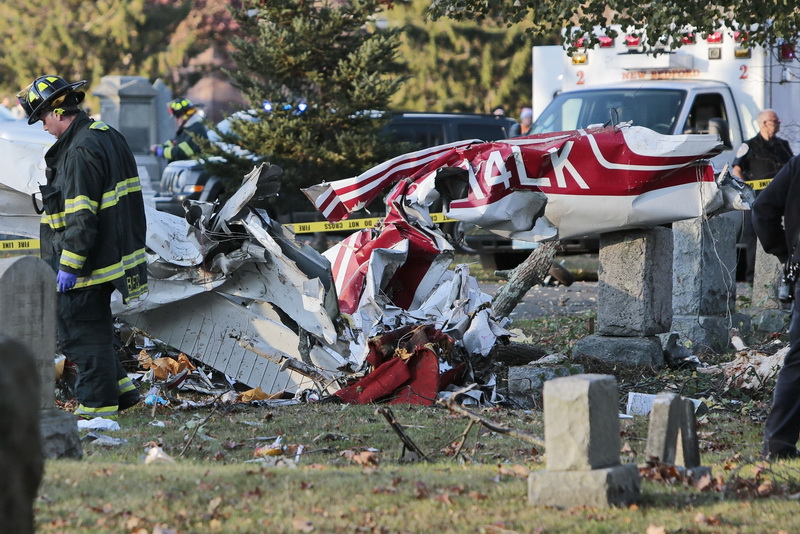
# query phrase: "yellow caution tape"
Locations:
[[759, 184], [19, 247], [349, 224]]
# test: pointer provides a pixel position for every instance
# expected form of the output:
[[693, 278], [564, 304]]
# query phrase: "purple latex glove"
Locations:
[[65, 281]]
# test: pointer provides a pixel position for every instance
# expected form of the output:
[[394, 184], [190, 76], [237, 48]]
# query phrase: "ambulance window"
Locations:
[[706, 106]]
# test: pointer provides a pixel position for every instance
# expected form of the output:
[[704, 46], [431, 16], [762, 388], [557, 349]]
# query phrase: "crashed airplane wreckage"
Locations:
[[380, 315]]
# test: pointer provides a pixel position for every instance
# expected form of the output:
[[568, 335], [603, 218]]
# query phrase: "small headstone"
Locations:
[[688, 454], [21, 461], [581, 429], [665, 420], [581, 423], [672, 436]]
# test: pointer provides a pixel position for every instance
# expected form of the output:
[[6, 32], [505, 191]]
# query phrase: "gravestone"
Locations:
[[672, 435], [704, 283], [21, 461], [767, 314], [28, 313], [634, 300], [582, 444]]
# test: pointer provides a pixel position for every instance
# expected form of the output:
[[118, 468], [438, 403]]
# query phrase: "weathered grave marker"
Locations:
[[28, 314], [581, 428]]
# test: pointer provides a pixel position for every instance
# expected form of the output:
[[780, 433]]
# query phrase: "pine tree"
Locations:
[[322, 66]]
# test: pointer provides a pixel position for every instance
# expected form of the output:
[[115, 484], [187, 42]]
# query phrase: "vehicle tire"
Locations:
[[561, 273]]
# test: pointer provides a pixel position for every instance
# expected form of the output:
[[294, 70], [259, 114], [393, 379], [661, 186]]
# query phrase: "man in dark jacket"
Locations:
[[757, 161], [190, 126], [92, 234], [776, 218]]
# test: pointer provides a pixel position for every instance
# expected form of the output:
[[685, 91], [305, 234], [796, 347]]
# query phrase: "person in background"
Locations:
[[190, 125], [757, 161], [776, 220], [499, 111], [523, 127], [92, 234]]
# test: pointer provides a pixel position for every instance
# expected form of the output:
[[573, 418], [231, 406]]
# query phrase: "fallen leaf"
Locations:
[[443, 498], [519, 471], [654, 529], [213, 504], [365, 458], [702, 519], [301, 524]]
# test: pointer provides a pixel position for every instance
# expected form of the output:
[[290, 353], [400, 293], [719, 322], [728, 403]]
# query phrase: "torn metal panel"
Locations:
[[209, 327], [241, 295]]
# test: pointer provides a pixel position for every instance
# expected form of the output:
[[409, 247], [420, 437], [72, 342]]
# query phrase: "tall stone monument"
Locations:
[[28, 315]]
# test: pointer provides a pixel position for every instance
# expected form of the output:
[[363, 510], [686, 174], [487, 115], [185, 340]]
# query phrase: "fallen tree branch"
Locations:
[[199, 425], [453, 406], [523, 277], [398, 428], [464, 437]]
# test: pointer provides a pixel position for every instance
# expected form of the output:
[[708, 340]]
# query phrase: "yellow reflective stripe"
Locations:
[[71, 259], [107, 412], [131, 185], [168, 152], [138, 292], [82, 202], [125, 385], [98, 125], [54, 221], [112, 272], [187, 148]]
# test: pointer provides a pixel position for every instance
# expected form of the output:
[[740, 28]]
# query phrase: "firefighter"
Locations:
[[190, 125], [92, 235]]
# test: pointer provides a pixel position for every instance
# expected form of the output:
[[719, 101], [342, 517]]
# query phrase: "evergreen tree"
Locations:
[[461, 65], [321, 66]]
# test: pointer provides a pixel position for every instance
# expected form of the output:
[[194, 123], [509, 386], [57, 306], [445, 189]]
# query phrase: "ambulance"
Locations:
[[711, 84]]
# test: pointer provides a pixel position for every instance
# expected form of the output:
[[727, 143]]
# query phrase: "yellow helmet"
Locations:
[[179, 107]]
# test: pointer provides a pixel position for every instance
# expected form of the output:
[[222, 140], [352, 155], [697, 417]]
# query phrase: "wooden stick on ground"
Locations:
[[464, 438], [398, 428], [453, 406]]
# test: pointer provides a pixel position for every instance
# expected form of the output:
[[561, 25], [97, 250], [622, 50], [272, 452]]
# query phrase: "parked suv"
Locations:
[[188, 180], [431, 129]]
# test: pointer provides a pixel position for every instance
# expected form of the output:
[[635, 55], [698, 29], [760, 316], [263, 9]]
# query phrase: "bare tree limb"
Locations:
[[526, 274], [398, 428], [453, 406]]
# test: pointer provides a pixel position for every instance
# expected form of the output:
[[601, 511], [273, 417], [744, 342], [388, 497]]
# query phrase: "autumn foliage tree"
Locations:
[[87, 40]]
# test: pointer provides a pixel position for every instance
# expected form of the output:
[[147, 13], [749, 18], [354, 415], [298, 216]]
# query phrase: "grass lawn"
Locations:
[[342, 469], [350, 478]]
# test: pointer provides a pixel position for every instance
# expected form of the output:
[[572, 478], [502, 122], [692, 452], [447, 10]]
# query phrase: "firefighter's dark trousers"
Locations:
[[782, 429], [86, 337]]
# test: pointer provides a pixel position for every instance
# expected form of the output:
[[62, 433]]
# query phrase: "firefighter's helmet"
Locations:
[[48, 93], [179, 107]]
